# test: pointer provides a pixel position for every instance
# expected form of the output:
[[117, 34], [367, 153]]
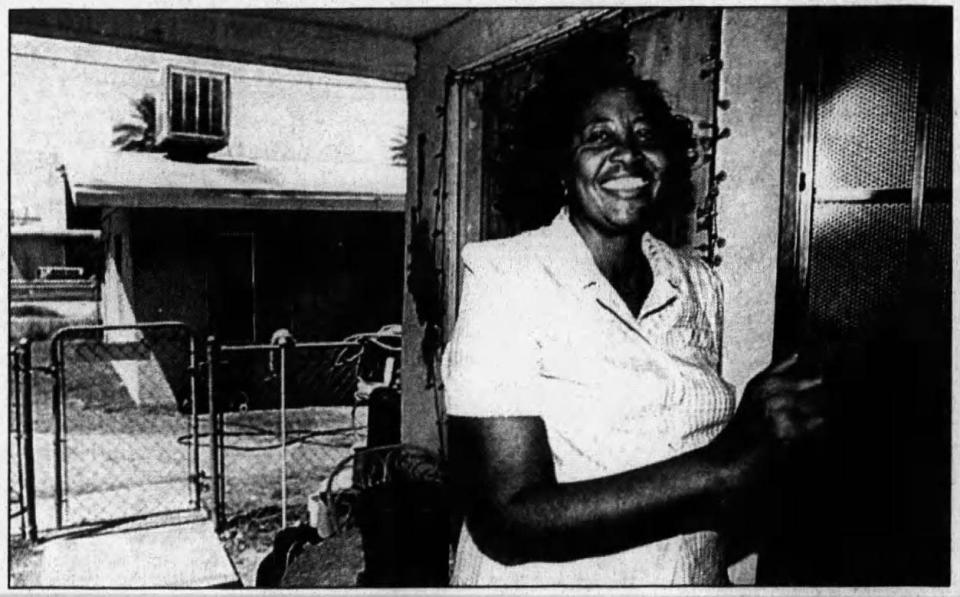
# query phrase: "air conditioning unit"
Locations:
[[194, 112]]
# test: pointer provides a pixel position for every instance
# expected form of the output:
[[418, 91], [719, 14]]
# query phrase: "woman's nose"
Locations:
[[625, 153], [630, 154]]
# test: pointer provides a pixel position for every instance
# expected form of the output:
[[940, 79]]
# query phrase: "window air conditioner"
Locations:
[[194, 112]]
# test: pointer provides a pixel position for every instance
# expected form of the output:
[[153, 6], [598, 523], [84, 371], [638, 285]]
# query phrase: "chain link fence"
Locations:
[[288, 417], [122, 422], [113, 422]]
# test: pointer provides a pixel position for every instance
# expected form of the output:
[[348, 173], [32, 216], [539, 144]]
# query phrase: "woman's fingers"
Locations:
[[805, 384], [776, 387], [785, 402], [791, 419], [785, 364], [794, 425]]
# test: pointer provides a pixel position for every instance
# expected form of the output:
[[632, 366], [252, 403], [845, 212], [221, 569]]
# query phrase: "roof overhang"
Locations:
[[151, 180], [177, 198], [376, 43], [17, 232]]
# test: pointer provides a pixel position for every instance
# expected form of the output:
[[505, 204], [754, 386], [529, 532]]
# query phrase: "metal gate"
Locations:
[[123, 422], [285, 415]]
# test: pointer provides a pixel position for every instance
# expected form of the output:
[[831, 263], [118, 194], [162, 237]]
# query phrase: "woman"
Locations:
[[589, 431]]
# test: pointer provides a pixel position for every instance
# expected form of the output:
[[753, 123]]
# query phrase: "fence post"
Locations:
[[194, 421], [213, 355], [285, 342], [55, 364], [26, 366], [15, 397]]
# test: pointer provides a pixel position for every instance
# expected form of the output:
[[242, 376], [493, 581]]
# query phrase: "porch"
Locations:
[[789, 248]]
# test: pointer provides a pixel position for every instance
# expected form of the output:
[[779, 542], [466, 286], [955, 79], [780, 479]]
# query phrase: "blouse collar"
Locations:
[[570, 261]]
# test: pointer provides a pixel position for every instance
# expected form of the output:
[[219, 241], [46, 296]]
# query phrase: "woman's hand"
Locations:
[[781, 406]]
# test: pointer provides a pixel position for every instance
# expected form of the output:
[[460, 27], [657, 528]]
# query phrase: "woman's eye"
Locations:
[[597, 136], [645, 138]]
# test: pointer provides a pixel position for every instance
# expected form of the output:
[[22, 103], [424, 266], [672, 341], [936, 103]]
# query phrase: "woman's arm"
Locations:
[[517, 512]]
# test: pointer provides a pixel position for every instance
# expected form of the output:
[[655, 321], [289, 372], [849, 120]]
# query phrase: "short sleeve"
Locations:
[[489, 366]]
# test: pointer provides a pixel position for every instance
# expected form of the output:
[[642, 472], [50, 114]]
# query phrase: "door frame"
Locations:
[[796, 188]]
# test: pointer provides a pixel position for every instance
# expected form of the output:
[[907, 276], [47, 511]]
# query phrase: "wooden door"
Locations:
[[864, 287]]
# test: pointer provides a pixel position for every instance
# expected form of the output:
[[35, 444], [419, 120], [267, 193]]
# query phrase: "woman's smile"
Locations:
[[625, 183]]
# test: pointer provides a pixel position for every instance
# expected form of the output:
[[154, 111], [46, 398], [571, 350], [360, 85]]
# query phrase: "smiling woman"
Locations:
[[551, 134], [590, 434]]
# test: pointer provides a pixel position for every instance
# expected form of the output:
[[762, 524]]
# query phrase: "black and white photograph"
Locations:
[[445, 296]]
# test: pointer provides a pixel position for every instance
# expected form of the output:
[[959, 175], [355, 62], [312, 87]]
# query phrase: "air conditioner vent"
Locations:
[[195, 117]]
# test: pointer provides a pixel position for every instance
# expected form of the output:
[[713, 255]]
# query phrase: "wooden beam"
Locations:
[[234, 35]]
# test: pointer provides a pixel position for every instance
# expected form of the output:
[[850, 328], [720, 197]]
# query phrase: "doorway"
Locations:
[[864, 288], [233, 283]]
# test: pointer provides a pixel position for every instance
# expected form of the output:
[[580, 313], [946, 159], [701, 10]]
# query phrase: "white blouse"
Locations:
[[541, 332]]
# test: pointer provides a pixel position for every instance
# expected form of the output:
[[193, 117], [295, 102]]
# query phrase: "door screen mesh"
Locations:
[[866, 116], [857, 261], [936, 233], [938, 135]]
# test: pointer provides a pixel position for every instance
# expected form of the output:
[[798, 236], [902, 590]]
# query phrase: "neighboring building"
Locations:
[[240, 250], [295, 221], [52, 267]]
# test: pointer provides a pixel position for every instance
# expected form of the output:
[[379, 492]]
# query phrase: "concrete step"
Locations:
[[183, 555]]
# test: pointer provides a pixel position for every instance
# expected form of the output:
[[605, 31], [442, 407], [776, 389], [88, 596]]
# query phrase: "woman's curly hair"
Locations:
[[540, 162]]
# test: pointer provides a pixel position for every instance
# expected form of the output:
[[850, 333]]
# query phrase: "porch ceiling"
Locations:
[[372, 42]]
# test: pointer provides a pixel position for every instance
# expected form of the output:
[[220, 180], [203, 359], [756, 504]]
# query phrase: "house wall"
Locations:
[[117, 295], [753, 53]]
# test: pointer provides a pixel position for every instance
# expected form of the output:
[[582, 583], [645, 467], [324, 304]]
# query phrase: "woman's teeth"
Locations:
[[626, 183]]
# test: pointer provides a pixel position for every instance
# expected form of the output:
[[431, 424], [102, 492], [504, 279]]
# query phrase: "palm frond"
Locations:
[[398, 150], [139, 132]]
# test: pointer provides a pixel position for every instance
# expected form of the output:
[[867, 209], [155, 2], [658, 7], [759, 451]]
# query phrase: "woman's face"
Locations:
[[618, 164]]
